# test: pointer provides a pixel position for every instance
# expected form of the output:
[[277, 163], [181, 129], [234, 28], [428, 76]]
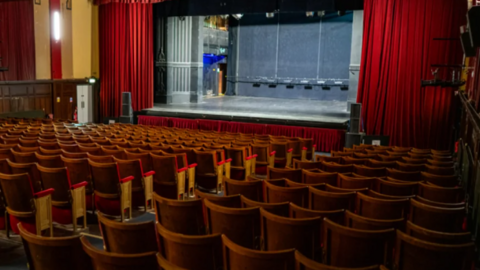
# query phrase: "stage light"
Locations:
[[256, 85], [321, 13], [310, 14], [344, 88], [341, 12], [91, 80], [326, 87], [270, 15], [237, 16], [56, 25]]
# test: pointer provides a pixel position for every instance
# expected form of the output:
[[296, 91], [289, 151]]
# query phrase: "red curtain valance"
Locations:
[[326, 139], [103, 2]]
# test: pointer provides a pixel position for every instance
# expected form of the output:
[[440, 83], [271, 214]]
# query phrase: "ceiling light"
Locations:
[[321, 13], [310, 14], [56, 25], [237, 16], [270, 15]]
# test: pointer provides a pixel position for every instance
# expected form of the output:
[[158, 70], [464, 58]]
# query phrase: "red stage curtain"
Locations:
[[126, 61], [17, 40], [289, 131], [326, 139], [398, 50], [183, 123], [209, 124], [103, 2]]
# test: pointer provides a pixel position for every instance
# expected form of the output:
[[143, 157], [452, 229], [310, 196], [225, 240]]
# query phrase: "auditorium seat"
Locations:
[[441, 194], [354, 161], [50, 152], [23, 157], [113, 261], [341, 154], [403, 175], [306, 165], [440, 163], [280, 209], [252, 190], [414, 254], [337, 160], [308, 148], [409, 160], [24, 205], [349, 182], [240, 258], [50, 161], [372, 163], [440, 180], [93, 150], [210, 171], [169, 180], [347, 247], [241, 225], [100, 159], [72, 148], [439, 204], [142, 183], [68, 200], [202, 252], [304, 263], [113, 194], [318, 177], [29, 168], [387, 158], [301, 212], [396, 188], [185, 217], [442, 170], [294, 175], [449, 220], [437, 237], [241, 162], [371, 224], [79, 171], [283, 154], [407, 167], [338, 168], [264, 158], [54, 253], [330, 201], [331, 188], [376, 208], [232, 201], [281, 233], [279, 194]]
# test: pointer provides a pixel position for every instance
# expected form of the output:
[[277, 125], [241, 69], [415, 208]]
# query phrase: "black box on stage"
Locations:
[[127, 104], [473, 18], [352, 139], [126, 119], [355, 117], [376, 140]]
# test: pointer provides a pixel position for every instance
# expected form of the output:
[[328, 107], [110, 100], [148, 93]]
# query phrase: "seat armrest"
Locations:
[[254, 156], [273, 153], [220, 163], [148, 173], [250, 157], [127, 179], [314, 146], [44, 193], [290, 150], [193, 165], [182, 169], [305, 148], [79, 185], [228, 160]]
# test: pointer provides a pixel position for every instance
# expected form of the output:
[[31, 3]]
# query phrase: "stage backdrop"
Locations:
[[291, 45], [398, 51]]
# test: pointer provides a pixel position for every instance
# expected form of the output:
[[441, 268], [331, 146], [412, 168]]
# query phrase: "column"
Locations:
[[356, 56]]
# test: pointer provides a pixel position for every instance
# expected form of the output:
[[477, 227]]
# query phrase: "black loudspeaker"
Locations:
[[355, 117], [126, 119], [127, 104], [467, 45], [352, 139], [473, 17]]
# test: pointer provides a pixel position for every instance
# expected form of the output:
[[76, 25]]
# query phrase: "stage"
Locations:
[[291, 112]]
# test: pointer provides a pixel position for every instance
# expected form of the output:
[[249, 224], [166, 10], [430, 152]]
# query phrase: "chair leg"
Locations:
[[7, 224]]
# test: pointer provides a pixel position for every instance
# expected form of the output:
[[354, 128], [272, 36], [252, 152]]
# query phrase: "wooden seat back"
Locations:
[[244, 258], [349, 182], [29, 168], [437, 237], [337, 168], [318, 177], [54, 253], [252, 190], [370, 224], [330, 201], [396, 188], [280, 209], [185, 217], [123, 238], [441, 194], [50, 161], [277, 194], [403, 175], [376, 208], [434, 218], [18, 193], [204, 251], [242, 225], [79, 171], [440, 180], [294, 175]]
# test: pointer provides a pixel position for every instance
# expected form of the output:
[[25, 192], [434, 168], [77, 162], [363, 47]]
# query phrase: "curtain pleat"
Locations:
[[17, 40], [126, 62], [326, 139], [398, 51]]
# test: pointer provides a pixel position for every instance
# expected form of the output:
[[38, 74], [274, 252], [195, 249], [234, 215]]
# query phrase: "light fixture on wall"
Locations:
[[237, 16], [270, 15], [38, 2], [310, 13], [69, 4], [321, 13], [56, 26]]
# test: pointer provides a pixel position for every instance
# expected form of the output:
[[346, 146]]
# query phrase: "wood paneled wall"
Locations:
[[43, 95]]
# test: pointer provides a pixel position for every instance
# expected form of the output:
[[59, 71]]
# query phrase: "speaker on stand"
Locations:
[[354, 137], [127, 110]]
